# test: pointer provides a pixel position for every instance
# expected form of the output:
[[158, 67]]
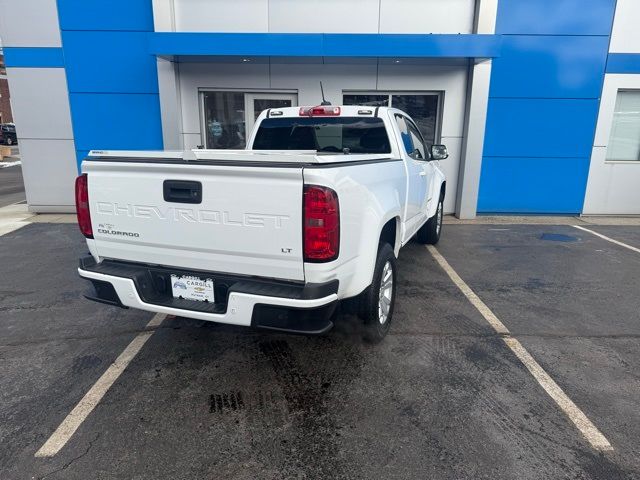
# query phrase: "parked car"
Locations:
[[313, 212], [8, 134]]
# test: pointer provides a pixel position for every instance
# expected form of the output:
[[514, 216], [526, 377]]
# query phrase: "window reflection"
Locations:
[[422, 108], [624, 143], [224, 120]]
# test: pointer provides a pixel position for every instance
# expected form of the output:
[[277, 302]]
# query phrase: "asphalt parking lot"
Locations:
[[443, 397], [11, 185]]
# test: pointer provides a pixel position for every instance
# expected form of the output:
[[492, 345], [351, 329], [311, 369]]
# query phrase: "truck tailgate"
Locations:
[[248, 219]]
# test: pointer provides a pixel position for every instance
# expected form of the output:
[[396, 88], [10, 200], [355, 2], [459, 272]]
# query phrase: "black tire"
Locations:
[[430, 232], [9, 141], [375, 328]]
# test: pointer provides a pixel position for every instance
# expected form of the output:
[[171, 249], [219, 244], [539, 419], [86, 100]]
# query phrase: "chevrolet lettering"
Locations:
[[192, 215]]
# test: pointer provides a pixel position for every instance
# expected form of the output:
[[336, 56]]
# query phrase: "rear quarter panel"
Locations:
[[369, 196]]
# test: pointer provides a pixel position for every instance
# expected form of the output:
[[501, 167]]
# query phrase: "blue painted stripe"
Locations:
[[549, 66], [33, 57], [543, 106], [116, 121], [98, 15], [623, 63], [533, 185], [131, 69], [555, 17], [324, 44]]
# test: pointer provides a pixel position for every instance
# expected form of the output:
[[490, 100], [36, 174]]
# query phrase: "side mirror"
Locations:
[[439, 152]]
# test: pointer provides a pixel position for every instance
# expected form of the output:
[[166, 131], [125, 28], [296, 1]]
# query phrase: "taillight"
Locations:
[[82, 206], [320, 111], [321, 224]]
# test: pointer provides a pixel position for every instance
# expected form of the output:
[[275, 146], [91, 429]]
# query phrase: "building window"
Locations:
[[229, 117], [224, 122], [424, 108], [624, 143]]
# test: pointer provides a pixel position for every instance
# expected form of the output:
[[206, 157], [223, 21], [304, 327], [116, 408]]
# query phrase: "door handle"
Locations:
[[182, 191], [423, 173]]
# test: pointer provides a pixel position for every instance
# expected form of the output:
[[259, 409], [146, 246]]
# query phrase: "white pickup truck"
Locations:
[[313, 212]]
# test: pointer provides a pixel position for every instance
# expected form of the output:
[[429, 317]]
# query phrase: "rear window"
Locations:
[[323, 134]]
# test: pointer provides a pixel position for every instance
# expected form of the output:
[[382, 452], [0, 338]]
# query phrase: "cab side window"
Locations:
[[411, 138]]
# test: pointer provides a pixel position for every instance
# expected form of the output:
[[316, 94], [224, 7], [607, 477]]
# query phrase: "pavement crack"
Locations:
[[73, 460]]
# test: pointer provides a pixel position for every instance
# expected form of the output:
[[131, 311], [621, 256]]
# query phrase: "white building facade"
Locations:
[[514, 88]]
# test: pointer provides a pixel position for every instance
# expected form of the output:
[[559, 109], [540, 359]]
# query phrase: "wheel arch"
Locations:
[[390, 233]]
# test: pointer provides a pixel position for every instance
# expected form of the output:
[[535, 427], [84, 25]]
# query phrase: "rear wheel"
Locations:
[[9, 141], [429, 233], [378, 300]]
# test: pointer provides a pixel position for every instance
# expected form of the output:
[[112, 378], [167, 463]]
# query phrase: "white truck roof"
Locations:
[[345, 110]]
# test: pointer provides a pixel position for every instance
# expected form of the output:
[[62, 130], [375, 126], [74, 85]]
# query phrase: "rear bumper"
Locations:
[[263, 303]]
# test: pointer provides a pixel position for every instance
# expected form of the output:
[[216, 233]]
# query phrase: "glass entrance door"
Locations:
[[255, 103], [229, 117]]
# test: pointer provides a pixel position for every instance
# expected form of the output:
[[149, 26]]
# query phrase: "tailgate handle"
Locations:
[[182, 191]]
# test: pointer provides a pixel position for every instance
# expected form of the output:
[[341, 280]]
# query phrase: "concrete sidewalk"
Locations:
[[14, 217]]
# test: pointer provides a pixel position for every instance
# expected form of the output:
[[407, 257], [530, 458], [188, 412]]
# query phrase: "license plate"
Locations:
[[192, 288]]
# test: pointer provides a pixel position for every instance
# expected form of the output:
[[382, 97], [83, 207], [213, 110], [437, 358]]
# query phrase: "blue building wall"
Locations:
[[543, 106], [549, 60], [112, 77]]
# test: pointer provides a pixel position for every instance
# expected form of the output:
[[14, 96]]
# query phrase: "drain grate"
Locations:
[[267, 402], [558, 237], [226, 401]]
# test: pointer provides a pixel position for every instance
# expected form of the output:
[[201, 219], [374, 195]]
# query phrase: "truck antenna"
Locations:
[[324, 102]]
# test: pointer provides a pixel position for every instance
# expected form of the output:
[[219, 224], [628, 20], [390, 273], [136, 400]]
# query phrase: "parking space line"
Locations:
[[608, 239], [82, 410], [597, 440]]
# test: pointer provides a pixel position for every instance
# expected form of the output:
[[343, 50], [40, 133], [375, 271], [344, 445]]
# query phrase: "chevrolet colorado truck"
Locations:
[[313, 212]]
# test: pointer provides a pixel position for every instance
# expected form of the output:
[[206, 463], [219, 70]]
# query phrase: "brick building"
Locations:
[[5, 106]]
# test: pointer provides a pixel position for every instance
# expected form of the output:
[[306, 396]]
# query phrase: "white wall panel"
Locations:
[[426, 16], [450, 79], [335, 78], [40, 103], [451, 167], [612, 187], [476, 104], [221, 16], [49, 169], [191, 140], [625, 37], [169, 104], [29, 23], [163, 15], [331, 16]]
